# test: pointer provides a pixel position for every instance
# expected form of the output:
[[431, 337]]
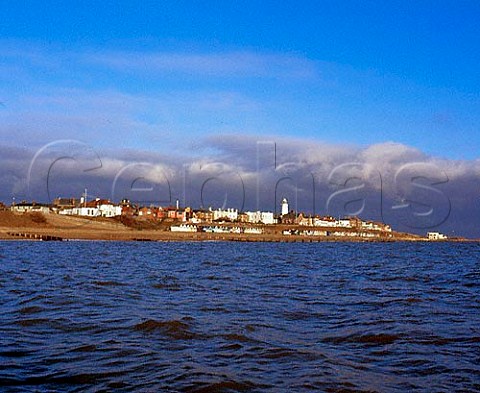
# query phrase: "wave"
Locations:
[[30, 310], [85, 348], [372, 339], [239, 338], [224, 386], [32, 322], [167, 286], [108, 283], [175, 329]]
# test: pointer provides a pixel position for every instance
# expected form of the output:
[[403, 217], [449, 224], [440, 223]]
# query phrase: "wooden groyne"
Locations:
[[35, 236]]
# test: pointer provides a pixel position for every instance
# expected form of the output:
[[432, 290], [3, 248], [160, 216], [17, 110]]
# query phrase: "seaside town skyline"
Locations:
[[339, 104], [188, 220], [349, 189], [240, 196]]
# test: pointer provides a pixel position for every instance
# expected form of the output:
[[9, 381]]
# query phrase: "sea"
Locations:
[[239, 317]]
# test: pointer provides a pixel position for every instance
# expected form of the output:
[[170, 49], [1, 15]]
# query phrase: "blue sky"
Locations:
[[341, 72], [198, 84]]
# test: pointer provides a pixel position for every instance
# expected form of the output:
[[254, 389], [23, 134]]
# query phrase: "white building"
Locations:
[[86, 211], [260, 217], [96, 208], [110, 210], [231, 214], [30, 208], [284, 206], [216, 229], [267, 218], [375, 226], [253, 217], [319, 222], [183, 228], [253, 231], [344, 223], [314, 233], [436, 236]]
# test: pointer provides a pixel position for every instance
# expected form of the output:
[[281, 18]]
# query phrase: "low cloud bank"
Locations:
[[388, 182]]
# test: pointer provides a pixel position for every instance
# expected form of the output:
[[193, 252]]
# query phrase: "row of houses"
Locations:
[[349, 222], [198, 216], [188, 228], [105, 208], [436, 236], [25, 207], [232, 229], [95, 208], [336, 233]]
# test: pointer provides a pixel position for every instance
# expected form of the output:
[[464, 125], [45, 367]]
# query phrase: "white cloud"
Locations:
[[232, 64], [232, 163]]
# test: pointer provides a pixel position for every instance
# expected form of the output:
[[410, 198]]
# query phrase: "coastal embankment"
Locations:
[[57, 227]]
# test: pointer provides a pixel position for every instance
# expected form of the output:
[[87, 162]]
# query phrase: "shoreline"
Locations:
[[65, 228], [131, 235]]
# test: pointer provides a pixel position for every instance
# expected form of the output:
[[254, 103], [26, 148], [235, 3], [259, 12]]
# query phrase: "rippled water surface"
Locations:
[[202, 317]]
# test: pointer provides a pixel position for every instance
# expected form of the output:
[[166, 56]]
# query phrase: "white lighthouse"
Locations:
[[284, 206]]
